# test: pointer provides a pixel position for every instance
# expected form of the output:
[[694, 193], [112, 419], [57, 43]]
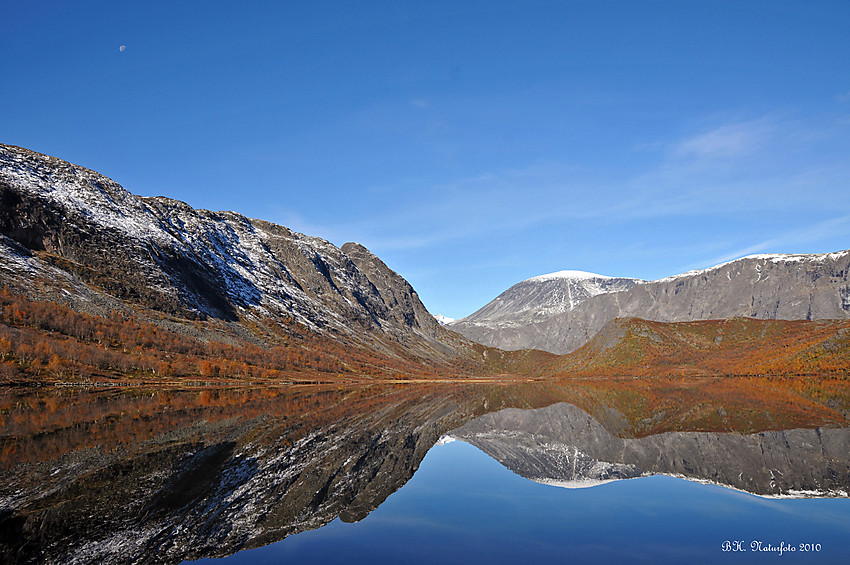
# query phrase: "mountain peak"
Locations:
[[574, 275], [544, 296], [162, 254], [776, 258], [443, 320], [559, 312]]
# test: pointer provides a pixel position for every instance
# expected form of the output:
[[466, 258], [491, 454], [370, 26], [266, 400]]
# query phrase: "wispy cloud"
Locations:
[[764, 164], [725, 142], [765, 168], [807, 234]]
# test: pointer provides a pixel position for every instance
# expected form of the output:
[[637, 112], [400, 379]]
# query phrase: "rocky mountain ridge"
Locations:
[[87, 238], [544, 296], [790, 287]]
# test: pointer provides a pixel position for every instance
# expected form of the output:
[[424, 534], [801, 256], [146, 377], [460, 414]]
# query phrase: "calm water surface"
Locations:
[[462, 506], [422, 474]]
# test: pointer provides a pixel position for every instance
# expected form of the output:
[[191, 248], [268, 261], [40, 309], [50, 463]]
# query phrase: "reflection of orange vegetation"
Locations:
[[738, 374], [43, 423], [738, 346], [645, 406]]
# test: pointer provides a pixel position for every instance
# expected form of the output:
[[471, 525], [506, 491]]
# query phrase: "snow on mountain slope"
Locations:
[[543, 313], [759, 259], [544, 296], [443, 320], [166, 255], [577, 275]]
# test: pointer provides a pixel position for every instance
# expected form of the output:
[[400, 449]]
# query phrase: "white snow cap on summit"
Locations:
[[443, 320], [579, 275], [772, 257]]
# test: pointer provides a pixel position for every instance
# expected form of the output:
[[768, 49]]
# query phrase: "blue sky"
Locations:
[[468, 144]]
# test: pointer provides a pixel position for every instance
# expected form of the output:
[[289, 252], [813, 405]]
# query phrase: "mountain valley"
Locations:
[[100, 285]]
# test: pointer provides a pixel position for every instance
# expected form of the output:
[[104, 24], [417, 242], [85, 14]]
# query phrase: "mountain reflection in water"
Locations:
[[562, 445], [159, 476]]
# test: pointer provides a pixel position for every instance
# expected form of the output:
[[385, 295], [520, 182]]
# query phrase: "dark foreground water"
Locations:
[[464, 507], [592, 472]]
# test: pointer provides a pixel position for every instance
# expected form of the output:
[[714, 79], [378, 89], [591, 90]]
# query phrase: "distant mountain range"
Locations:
[[443, 320], [562, 311]]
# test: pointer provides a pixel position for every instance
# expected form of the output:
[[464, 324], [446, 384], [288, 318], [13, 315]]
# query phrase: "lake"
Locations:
[[572, 472], [464, 507]]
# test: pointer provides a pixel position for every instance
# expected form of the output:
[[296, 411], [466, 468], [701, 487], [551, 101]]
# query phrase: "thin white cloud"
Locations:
[[767, 164], [807, 234], [781, 175], [725, 142]]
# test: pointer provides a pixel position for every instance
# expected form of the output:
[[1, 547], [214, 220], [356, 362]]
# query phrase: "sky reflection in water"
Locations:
[[464, 507]]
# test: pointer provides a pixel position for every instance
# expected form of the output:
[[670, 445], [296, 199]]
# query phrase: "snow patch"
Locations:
[[773, 258], [576, 275], [579, 483]]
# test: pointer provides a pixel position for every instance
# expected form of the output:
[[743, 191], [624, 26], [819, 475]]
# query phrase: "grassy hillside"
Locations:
[[738, 346]]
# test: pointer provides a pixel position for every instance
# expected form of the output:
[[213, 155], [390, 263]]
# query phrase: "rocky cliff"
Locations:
[[790, 287], [68, 233]]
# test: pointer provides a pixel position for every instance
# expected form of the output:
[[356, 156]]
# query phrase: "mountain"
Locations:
[[443, 320], [540, 315], [158, 289], [544, 296], [72, 235]]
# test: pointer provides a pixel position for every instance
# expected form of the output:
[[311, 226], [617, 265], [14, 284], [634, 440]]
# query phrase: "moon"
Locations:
[[122, 48]]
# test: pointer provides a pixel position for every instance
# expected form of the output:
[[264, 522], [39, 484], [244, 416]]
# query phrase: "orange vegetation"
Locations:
[[42, 340], [737, 346]]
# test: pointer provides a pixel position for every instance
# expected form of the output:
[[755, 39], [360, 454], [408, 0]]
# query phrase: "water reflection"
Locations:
[[564, 446], [142, 476], [159, 476]]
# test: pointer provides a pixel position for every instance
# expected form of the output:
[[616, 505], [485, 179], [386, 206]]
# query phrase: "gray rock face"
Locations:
[[563, 445], [790, 287], [61, 222], [540, 298]]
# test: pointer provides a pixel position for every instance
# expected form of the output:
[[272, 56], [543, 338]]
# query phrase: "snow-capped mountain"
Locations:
[[74, 229], [561, 311], [544, 296], [443, 320]]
